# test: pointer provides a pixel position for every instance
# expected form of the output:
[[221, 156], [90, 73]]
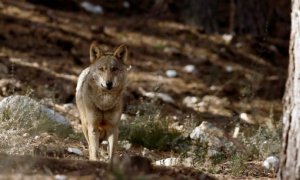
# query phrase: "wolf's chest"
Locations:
[[106, 101], [106, 98]]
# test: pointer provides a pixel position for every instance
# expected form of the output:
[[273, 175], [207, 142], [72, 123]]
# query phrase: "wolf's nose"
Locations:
[[109, 85]]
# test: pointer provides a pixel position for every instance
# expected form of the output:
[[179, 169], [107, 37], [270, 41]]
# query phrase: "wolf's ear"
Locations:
[[95, 51], [121, 53]]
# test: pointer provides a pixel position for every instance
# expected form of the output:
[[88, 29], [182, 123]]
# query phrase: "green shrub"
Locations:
[[150, 130]]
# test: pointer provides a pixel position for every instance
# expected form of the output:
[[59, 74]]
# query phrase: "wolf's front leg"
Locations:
[[93, 134], [112, 141], [85, 131]]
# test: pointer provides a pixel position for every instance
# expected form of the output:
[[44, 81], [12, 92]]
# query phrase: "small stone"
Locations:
[[96, 9], [197, 133], [273, 48], [174, 117], [236, 131], [104, 142], [124, 117], [247, 118], [213, 88], [189, 101], [189, 68], [209, 133], [60, 177], [229, 69], [271, 163], [126, 4], [75, 151], [36, 137], [125, 144], [211, 129], [227, 38], [171, 73], [167, 162], [163, 96]]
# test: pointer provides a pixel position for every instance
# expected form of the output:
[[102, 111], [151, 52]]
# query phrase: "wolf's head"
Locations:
[[108, 69]]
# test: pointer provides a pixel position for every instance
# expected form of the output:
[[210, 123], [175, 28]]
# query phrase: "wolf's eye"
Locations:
[[101, 68], [114, 69]]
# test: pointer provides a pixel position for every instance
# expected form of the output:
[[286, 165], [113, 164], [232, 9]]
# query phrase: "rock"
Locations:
[[125, 144], [197, 133], [210, 134], [273, 48], [162, 96], [60, 177], [21, 115], [214, 88], [104, 142], [215, 100], [213, 140], [247, 118], [126, 4], [211, 129], [190, 101], [95, 9], [271, 163], [229, 69], [167, 162], [187, 162], [53, 116], [27, 111], [75, 151], [236, 131], [165, 97], [124, 117], [214, 105], [171, 73], [227, 38], [190, 68]]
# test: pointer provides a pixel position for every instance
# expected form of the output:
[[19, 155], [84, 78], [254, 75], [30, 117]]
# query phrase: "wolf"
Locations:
[[99, 97]]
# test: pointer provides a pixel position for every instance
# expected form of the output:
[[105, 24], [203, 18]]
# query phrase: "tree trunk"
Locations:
[[290, 156]]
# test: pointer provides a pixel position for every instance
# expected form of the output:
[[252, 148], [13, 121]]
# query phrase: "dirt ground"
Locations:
[[43, 50]]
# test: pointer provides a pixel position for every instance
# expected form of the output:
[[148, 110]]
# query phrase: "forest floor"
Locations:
[[43, 50]]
